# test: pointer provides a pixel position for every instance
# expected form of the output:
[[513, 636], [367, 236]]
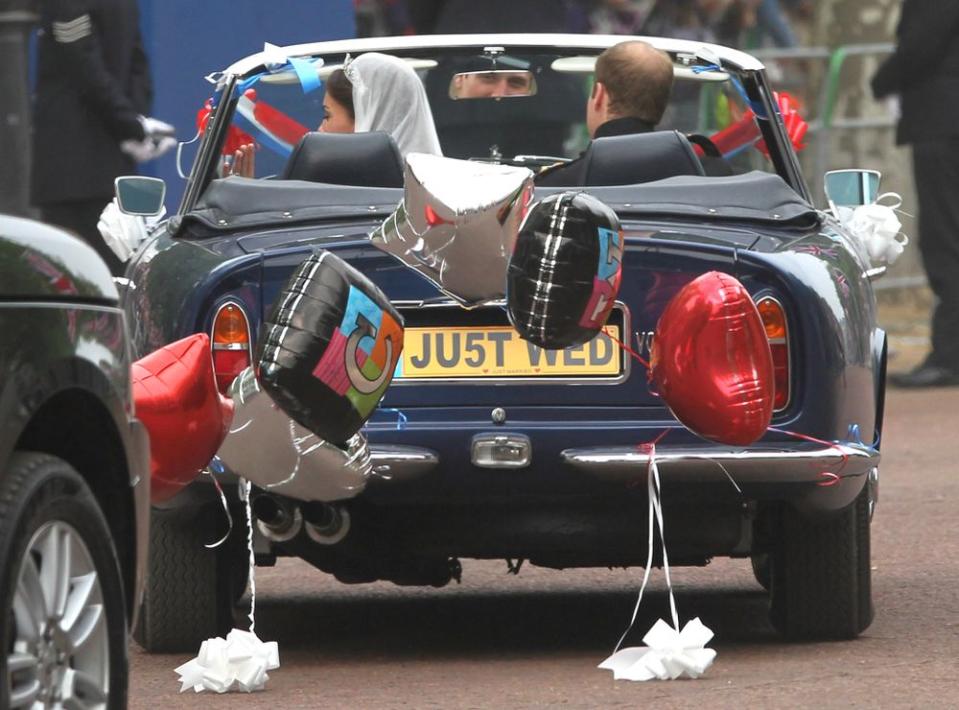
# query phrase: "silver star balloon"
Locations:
[[457, 224]]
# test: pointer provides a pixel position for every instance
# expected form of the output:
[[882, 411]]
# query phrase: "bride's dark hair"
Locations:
[[341, 90]]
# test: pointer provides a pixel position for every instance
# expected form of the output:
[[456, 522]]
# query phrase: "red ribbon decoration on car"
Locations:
[[746, 132], [235, 137]]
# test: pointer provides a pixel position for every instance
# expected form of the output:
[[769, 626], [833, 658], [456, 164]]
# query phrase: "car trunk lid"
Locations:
[[454, 356]]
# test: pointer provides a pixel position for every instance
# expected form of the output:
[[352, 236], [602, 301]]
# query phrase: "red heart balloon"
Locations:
[[711, 362], [176, 398]]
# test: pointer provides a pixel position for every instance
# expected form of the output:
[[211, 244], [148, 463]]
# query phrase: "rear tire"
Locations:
[[190, 590], [821, 575], [762, 569]]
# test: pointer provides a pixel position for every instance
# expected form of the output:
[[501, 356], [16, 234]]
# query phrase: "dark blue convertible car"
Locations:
[[486, 446]]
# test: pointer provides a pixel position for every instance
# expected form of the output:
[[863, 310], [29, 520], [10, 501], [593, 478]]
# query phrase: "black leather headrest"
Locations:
[[368, 159], [639, 157]]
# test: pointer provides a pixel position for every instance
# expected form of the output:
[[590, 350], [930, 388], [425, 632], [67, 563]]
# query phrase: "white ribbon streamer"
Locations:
[[226, 510], [669, 653], [245, 488], [240, 661], [179, 154]]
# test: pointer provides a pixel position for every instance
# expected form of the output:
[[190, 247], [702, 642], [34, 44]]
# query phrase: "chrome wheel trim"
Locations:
[[60, 655]]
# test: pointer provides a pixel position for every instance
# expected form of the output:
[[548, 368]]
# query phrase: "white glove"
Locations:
[[148, 148], [122, 232], [155, 128], [159, 138]]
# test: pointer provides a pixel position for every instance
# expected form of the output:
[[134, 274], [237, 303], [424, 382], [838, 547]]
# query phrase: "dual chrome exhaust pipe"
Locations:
[[280, 520]]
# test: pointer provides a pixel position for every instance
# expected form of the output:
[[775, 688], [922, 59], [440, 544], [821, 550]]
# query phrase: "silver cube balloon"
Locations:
[[457, 224], [276, 454]]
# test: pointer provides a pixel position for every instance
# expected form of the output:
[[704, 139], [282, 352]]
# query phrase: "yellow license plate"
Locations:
[[498, 351]]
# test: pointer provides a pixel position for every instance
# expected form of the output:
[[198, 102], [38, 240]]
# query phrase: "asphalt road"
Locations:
[[534, 640]]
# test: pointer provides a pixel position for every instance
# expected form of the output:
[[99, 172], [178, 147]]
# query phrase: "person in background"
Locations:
[[469, 16], [619, 17], [93, 93], [681, 19], [381, 18], [633, 84], [774, 23], [924, 72]]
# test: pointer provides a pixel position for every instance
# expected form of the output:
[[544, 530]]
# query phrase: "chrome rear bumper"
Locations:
[[761, 463], [397, 464]]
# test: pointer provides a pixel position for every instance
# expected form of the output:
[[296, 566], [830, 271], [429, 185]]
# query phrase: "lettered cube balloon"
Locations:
[[565, 271], [328, 350]]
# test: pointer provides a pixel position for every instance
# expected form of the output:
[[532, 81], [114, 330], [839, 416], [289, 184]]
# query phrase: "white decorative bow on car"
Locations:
[[238, 662], [877, 227], [667, 655]]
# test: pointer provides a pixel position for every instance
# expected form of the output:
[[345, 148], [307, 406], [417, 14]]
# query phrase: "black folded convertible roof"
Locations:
[[756, 198]]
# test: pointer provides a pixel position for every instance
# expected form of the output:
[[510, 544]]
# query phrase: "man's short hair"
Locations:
[[638, 78]]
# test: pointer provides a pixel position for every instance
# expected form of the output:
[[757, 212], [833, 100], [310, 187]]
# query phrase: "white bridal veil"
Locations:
[[389, 97]]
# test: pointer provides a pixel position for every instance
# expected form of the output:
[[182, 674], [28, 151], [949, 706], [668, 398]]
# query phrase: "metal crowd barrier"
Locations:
[[823, 123]]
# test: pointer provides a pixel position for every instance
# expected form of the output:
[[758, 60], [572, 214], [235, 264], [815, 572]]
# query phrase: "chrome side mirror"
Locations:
[[137, 195], [851, 188]]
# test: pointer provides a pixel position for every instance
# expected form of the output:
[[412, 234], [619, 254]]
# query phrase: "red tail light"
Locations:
[[777, 331], [231, 344]]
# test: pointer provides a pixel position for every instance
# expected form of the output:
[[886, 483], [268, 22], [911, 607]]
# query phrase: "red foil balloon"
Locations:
[[176, 398], [711, 362]]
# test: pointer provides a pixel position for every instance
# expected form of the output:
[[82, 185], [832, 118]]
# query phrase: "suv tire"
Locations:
[[50, 521], [190, 589], [821, 575]]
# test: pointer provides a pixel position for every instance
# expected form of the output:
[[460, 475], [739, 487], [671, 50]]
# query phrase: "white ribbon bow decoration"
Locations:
[[238, 662], [124, 233], [879, 230], [668, 654]]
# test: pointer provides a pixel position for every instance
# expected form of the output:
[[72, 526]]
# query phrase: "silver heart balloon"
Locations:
[[457, 224], [275, 453]]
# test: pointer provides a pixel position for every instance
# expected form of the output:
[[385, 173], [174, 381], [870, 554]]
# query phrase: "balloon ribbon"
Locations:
[[654, 514]]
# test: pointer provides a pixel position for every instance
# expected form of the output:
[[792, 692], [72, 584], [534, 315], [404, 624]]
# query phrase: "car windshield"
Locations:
[[497, 105]]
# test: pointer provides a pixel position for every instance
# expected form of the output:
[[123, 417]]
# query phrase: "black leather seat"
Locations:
[[367, 159], [639, 157]]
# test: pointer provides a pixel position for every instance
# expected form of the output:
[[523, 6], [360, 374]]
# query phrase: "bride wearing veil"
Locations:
[[373, 92], [389, 97]]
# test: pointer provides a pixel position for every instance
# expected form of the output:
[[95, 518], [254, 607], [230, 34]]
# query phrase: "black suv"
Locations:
[[74, 475]]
